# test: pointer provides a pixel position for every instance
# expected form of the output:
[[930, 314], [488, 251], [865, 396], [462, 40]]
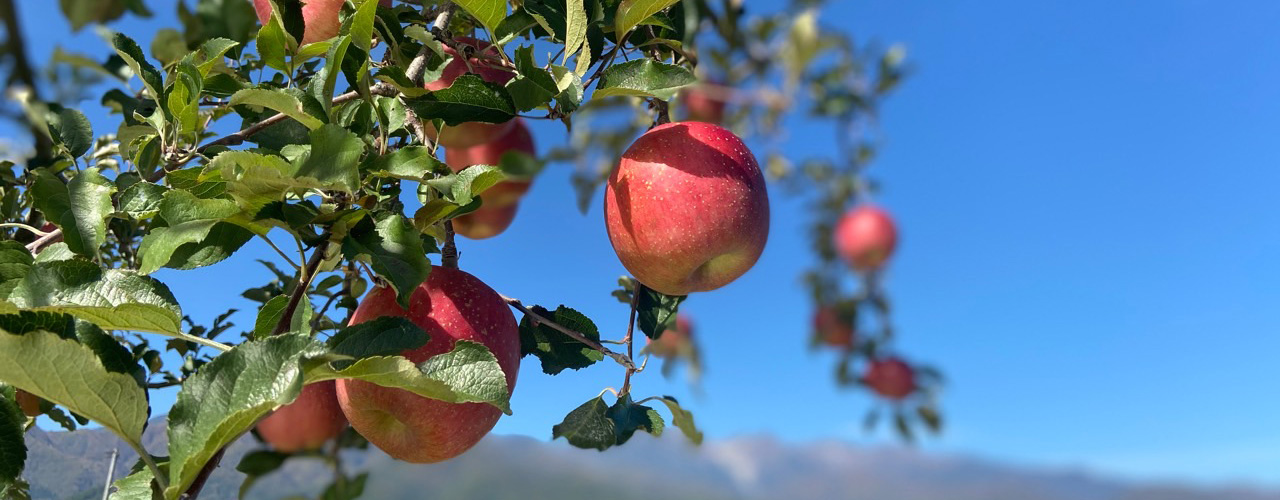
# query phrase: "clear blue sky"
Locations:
[[1089, 243]]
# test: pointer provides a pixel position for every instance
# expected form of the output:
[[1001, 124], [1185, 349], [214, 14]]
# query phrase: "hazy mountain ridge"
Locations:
[[73, 465]]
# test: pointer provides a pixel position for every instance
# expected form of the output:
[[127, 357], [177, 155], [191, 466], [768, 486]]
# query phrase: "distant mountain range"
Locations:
[[73, 465]]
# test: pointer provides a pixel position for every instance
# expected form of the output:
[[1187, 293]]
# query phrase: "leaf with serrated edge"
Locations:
[[644, 78], [277, 101], [227, 396], [587, 426], [467, 374], [632, 12], [70, 374], [112, 299], [13, 449], [394, 248], [489, 12]]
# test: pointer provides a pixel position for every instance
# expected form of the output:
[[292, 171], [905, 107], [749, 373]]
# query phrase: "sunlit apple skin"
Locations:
[[518, 138], [704, 105], [306, 423], [28, 402], [686, 209], [832, 329], [865, 237], [891, 378], [470, 134], [675, 339], [486, 222], [452, 305], [319, 17]]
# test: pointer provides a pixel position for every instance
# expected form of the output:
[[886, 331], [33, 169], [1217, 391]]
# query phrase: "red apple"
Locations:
[[518, 138], [705, 103], [686, 209], [865, 237], [28, 402], [485, 222], [450, 306], [891, 378], [484, 63], [833, 329], [674, 340], [307, 422], [319, 17]]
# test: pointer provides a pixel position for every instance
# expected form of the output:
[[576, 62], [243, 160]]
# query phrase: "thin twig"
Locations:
[[631, 323], [300, 290], [622, 359]]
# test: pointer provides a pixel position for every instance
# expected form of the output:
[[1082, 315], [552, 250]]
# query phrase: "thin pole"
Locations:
[[111, 472]]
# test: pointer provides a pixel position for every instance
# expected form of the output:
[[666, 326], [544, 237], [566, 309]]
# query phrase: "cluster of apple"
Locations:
[[686, 210]]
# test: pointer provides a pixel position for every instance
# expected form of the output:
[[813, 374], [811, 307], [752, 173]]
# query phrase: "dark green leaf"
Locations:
[[655, 312], [113, 299], [13, 447], [197, 234], [553, 348], [70, 128], [469, 99], [588, 426], [261, 462], [15, 262], [394, 249], [411, 163], [271, 312], [132, 55], [384, 336], [142, 200], [80, 207], [534, 86], [629, 417], [274, 44]]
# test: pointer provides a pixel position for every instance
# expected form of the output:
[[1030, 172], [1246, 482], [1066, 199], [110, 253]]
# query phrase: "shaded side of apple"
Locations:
[[306, 423]]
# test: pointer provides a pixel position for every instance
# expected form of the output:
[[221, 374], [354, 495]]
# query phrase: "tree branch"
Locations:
[[203, 476], [300, 290], [622, 359], [418, 66], [631, 323]]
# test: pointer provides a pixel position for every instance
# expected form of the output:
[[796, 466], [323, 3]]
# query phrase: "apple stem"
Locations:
[[538, 319], [449, 254]]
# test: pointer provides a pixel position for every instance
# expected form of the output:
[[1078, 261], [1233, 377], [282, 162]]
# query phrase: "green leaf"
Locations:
[[588, 426], [632, 12], [410, 163], [69, 373], [226, 397], [656, 312], [83, 12], [274, 44], [269, 316], [255, 180], [112, 299], [682, 419], [334, 160], [142, 200], [534, 86], [13, 447], [467, 374], [197, 234], [644, 78], [383, 336], [469, 99], [489, 12], [80, 207], [261, 462], [575, 29], [114, 357], [362, 24], [553, 348], [15, 263], [212, 52], [278, 101], [168, 46], [629, 417], [70, 128], [570, 88], [140, 485], [132, 55], [183, 101], [394, 248]]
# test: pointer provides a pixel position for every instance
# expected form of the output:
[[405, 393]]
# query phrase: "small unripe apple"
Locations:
[[306, 423], [486, 221], [450, 306], [705, 103], [674, 340], [28, 402], [485, 62], [891, 378], [833, 329], [319, 18], [686, 210], [865, 237]]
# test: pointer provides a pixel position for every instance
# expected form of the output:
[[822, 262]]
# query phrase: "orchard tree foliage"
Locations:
[[304, 125]]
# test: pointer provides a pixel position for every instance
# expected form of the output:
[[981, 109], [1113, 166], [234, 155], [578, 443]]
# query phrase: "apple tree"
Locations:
[[363, 142]]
